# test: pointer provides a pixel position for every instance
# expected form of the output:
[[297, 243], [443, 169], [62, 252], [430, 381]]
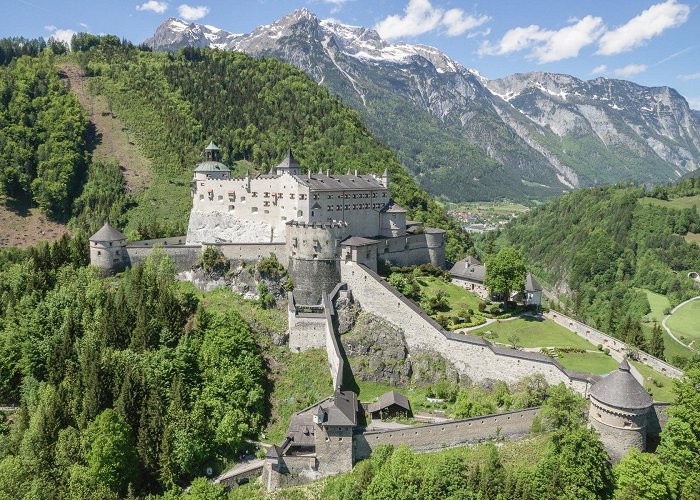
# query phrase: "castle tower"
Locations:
[[211, 152], [618, 410], [211, 167], [108, 250], [289, 165]]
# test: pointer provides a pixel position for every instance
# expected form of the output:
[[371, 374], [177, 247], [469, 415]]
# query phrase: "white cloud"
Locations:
[[599, 69], [189, 13], [631, 70], [693, 102], [548, 45], [688, 77], [457, 22], [84, 25], [650, 23], [62, 35], [153, 6], [482, 33], [421, 17]]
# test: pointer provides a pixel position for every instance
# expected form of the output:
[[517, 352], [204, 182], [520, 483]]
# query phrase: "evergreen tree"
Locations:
[[656, 345]]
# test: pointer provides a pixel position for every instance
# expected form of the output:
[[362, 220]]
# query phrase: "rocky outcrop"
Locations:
[[216, 227], [377, 351], [243, 279]]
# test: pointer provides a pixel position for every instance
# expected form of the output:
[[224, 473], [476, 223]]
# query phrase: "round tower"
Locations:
[[108, 250], [618, 411], [313, 251]]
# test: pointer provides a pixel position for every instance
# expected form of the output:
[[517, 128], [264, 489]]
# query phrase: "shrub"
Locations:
[[481, 307], [270, 266], [213, 260]]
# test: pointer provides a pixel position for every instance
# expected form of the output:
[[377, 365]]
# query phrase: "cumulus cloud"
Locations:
[[548, 45], [690, 76], [420, 17], [599, 69], [61, 35], [190, 13], [153, 6], [631, 70], [650, 23]]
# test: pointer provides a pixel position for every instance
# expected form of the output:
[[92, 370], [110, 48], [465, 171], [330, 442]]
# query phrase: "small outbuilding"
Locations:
[[469, 273], [533, 291], [390, 405]]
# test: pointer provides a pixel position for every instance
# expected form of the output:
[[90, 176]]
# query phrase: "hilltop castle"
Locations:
[[309, 221]]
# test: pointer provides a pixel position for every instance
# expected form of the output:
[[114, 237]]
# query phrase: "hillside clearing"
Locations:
[[685, 322], [677, 203], [22, 225], [532, 332]]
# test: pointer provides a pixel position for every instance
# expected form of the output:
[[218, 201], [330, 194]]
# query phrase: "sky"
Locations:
[[652, 43]]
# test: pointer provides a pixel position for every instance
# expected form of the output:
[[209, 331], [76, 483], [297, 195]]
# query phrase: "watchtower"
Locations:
[[108, 250], [618, 410]]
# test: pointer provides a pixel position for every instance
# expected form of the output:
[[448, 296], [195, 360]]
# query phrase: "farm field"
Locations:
[[685, 322], [597, 363], [677, 203], [532, 332]]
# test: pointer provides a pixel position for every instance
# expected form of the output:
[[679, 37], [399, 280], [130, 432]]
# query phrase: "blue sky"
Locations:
[[649, 42]]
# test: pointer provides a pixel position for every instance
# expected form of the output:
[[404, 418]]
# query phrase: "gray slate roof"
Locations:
[[358, 241], [342, 409], [393, 207], [289, 162], [321, 182], [390, 398], [531, 284], [469, 269], [212, 166], [107, 233], [621, 390]]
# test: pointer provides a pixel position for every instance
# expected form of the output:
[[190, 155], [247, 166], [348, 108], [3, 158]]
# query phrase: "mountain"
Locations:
[[466, 137]]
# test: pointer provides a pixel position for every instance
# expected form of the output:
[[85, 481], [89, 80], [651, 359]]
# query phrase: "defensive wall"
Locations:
[[335, 359], [596, 337], [473, 356], [509, 425], [414, 249]]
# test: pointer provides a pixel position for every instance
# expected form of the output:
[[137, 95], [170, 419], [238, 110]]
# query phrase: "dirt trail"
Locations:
[[113, 139]]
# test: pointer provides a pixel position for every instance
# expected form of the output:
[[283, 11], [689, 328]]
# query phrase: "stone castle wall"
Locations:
[[472, 356], [596, 337], [434, 437], [184, 256]]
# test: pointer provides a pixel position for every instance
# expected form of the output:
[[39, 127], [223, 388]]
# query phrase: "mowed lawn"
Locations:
[[677, 203], [597, 363], [457, 297], [533, 332], [685, 322], [652, 380], [658, 304]]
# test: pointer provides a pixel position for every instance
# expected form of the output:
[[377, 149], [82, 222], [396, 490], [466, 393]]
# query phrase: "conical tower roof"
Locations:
[[531, 284], [107, 233], [620, 389], [289, 161], [211, 147]]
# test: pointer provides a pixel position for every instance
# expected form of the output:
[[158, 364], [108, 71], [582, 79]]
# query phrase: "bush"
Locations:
[[213, 260], [481, 307], [270, 266]]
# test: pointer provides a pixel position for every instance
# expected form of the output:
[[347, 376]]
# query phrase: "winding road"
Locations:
[[668, 330]]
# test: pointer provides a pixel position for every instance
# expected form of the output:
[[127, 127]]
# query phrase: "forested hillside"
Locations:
[[255, 110], [43, 133], [603, 246]]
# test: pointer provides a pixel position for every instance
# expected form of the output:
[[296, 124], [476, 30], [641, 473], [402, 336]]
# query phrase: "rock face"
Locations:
[[467, 137], [377, 352], [242, 279], [214, 227]]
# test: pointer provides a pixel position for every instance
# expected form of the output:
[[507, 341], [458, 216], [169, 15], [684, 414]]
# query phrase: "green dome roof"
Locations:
[[212, 166]]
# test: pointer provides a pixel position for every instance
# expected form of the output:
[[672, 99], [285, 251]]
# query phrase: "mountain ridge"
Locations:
[[541, 133]]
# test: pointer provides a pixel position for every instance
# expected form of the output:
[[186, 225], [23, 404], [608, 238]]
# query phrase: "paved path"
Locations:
[[488, 322], [668, 330]]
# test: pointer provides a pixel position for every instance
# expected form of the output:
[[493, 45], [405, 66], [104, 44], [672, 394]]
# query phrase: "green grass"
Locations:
[[457, 297], [370, 391], [533, 332], [664, 393], [597, 363], [672, 349], [685, 322], [658, 303], [677, 203], [693, 238]]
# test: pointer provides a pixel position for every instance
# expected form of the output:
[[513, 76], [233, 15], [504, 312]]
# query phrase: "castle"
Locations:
[[332, 232]]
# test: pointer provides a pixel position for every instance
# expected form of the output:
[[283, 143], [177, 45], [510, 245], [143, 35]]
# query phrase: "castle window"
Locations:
[[242, 198], [374, 195], [266, 203], [291, 196], [330, 208], [267, 211], [221, 198], [347, 207], [384, 194], [201, 184], [315, 196], [330, 196], [254, 210], [254, 194], [267, 194], [300, 213], [354, 195], [284, 217], [201, 196], [302, 196], [337, 207], [312, 213], [99, 253], [230, 208]]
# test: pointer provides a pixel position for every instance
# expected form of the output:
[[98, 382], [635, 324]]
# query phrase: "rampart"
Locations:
[[335, 359], [249, 252], [472, 356], [184, 256], [596, 337], [433, 437]]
